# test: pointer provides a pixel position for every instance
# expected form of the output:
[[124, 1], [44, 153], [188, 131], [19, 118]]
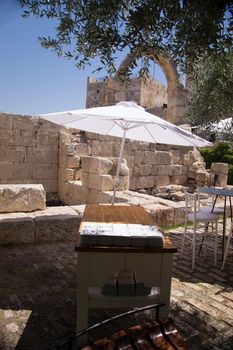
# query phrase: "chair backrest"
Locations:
[[191, 203], [208, 199]]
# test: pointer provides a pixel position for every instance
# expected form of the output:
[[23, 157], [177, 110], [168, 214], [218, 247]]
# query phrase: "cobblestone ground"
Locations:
[[38, 301]]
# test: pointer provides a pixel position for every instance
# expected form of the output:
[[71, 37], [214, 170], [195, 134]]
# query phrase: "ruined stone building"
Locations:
[[168, 102]]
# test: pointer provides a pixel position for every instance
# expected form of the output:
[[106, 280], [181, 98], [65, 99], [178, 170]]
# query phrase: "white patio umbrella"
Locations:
[[126, 120]]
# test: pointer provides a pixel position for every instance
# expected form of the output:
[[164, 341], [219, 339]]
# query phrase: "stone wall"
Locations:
[[29, 151], [35, 151], [150, 166]]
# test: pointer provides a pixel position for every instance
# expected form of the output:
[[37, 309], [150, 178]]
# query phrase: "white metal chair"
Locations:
[[209, 207], [230, 235], [198, 217]]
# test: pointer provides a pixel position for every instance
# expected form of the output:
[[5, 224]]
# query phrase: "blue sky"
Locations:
[[34, 80]]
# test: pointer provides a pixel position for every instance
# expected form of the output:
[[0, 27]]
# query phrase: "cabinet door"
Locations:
[[103, 265], [147, 266]]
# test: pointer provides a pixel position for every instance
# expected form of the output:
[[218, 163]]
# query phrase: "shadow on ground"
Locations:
[[38, 298]]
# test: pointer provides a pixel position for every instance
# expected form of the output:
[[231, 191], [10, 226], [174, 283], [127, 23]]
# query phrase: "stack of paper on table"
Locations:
[[120, 235]]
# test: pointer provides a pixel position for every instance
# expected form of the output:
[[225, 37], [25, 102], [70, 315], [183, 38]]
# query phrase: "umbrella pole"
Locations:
[[117, 177]]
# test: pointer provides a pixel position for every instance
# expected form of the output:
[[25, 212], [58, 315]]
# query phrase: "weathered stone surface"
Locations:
[[16, 228], [163, 215], [82, 149], [76, 193], [221, 168], [16, 198], [6, 170], [175, 156], [178, 179], [47, 138], [73, 162], [93, 196], [10, 137], [23, 171], [102, 182], [45, 171], [56, 224], [96, 165], [143, 170], [23, 122], [161, 180], [13, 153], [221, 180], [6, 121], [202, 176], [27, 138], [145, 182], [162, 170], [68, 174], [179, 170]]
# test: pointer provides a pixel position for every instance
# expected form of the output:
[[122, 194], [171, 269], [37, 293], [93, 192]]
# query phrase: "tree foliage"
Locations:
[[101, 28], [210, 91]]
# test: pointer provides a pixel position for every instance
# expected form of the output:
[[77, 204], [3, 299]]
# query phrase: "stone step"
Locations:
[[49, 225]]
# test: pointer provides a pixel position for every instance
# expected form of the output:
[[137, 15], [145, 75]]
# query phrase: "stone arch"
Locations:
[[176, 106]]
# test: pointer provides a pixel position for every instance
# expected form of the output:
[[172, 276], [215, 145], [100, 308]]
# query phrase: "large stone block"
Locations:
[[96, 148], [13, 153], [139, 157], [163, 215], [73, 162], [28, 138], [23, 122], [56, 224], [161, 180], [6, 170], [221, 168], [221, 180], [47, 138], [68, 175], [163, 157], [161, 170], [23, 170], [178, 179], [145, 182], [17, 198], [45, 171], [82, 149], [179, 170], [102, 182], [150, 157], [10, 137], [42, 155], [76, 193], [96, 165], [93, 196], [143, 170], [16, 228], [175, 156], [6, 121]]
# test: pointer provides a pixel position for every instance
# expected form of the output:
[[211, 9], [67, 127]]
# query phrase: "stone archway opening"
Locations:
[[169, 101]]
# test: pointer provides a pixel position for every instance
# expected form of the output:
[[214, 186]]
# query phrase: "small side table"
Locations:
[[96, 264]]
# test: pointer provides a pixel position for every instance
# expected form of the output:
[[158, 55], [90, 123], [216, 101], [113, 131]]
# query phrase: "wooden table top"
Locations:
[[122, 214]]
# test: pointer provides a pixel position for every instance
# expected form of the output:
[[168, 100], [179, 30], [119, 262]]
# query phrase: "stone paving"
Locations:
[[37, 297]]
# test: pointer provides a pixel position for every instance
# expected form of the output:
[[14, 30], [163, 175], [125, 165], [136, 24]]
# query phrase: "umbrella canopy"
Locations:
[[126, 120], [140, 125]]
